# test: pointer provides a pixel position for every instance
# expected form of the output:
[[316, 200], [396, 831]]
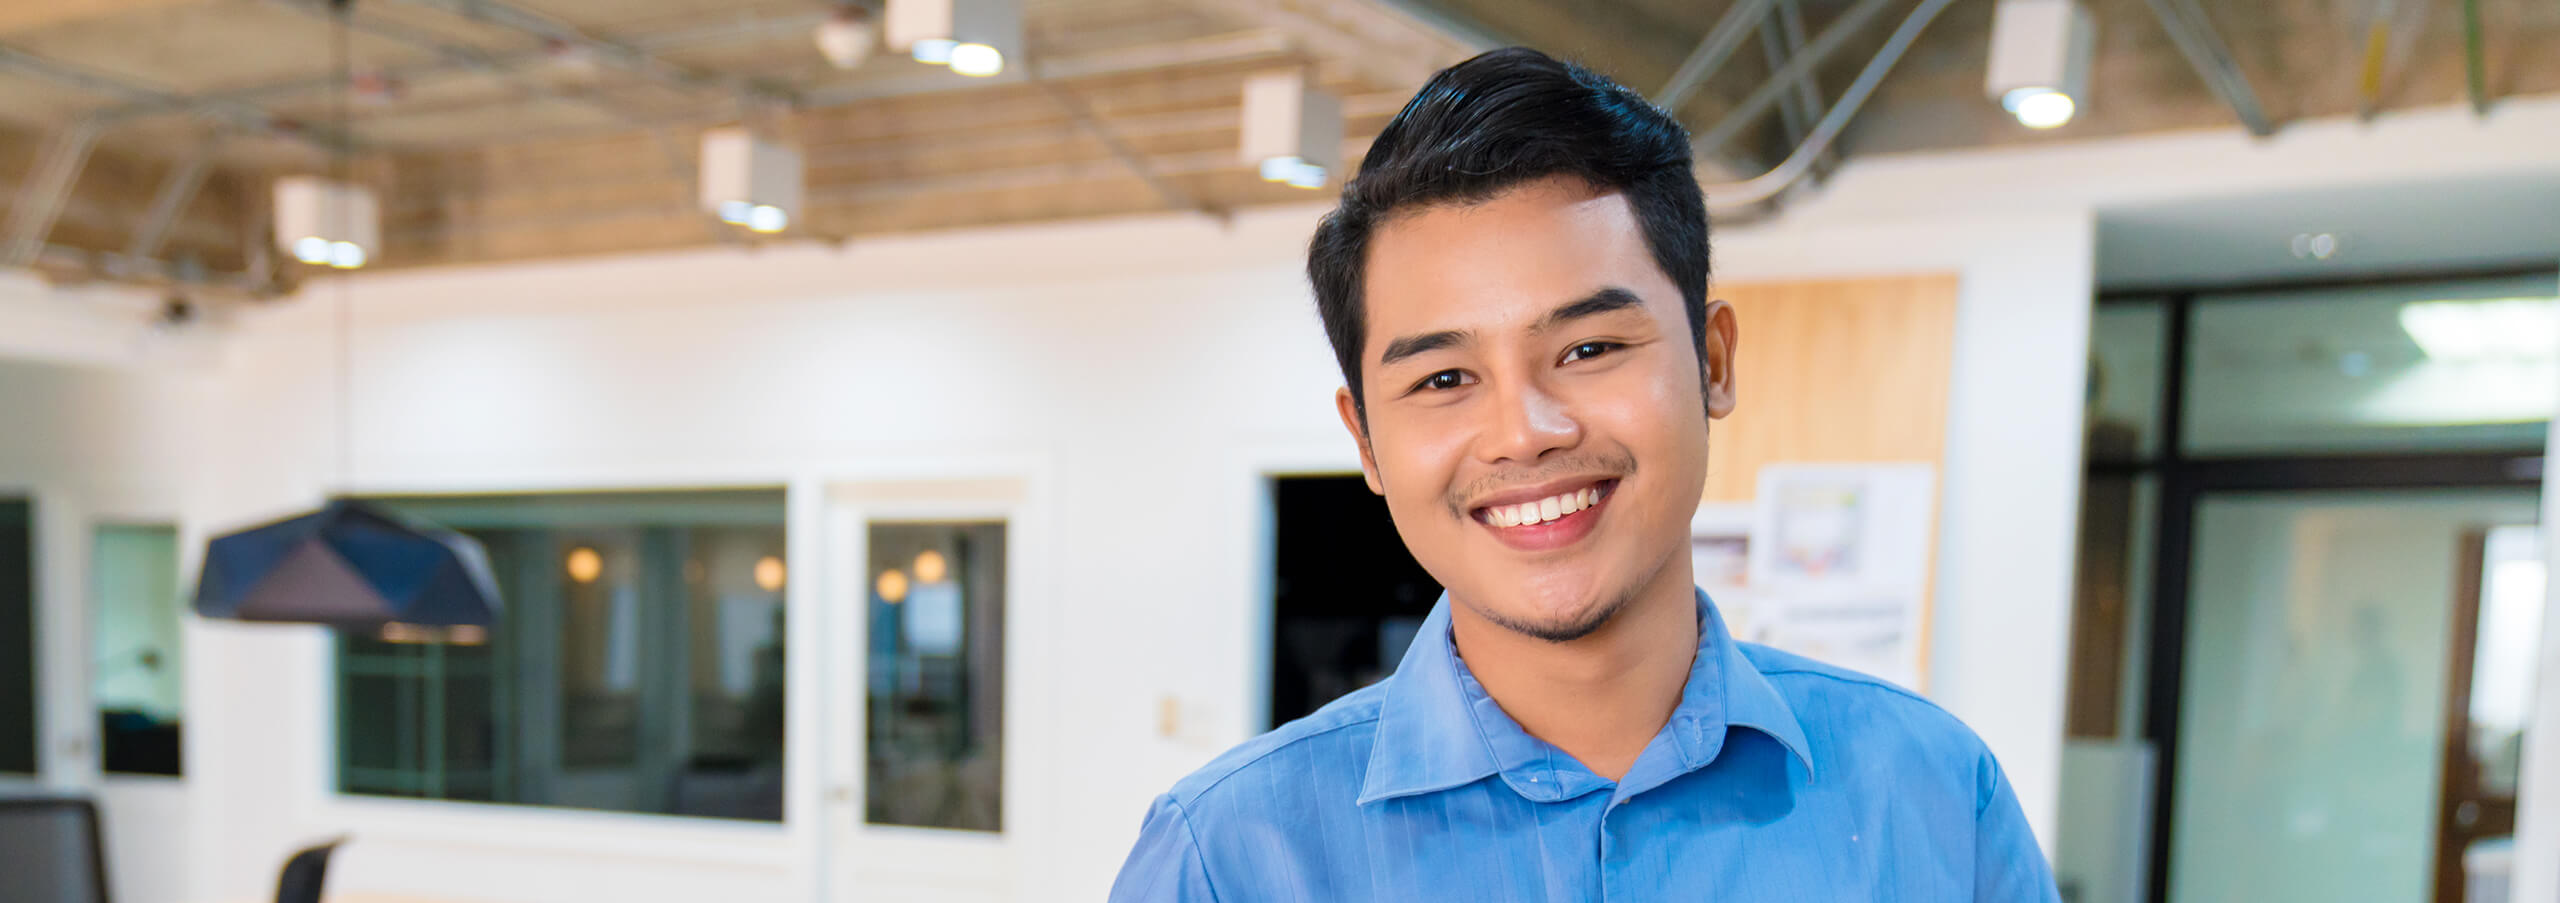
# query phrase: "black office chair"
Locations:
[[50, 851], [303, 874]]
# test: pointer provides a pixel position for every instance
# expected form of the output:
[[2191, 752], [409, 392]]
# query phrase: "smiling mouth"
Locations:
[[1547, 510]]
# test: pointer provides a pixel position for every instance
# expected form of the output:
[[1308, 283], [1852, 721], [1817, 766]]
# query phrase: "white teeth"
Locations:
[[1542, 510]]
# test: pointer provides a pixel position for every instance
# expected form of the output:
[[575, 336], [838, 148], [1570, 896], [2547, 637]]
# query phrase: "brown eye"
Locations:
[[1442, 381], [1590, 350]]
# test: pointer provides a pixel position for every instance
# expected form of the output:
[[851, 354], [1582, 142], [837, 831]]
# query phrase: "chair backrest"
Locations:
[[303, 874], [50, 851]]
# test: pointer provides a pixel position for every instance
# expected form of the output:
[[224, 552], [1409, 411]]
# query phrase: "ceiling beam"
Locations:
[[237, 115], [2205, 50], [30, 15], [48, 184], [1172, 194], [177, 190], [619, 55], [467, 60]]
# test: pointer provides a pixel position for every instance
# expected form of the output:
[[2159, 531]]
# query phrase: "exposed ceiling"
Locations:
[[516, 129]]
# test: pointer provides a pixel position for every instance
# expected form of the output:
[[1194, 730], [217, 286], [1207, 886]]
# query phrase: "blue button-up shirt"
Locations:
[[1777, 778]]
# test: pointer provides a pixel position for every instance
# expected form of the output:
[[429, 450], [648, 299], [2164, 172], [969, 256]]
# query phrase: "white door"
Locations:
[[926, 595]]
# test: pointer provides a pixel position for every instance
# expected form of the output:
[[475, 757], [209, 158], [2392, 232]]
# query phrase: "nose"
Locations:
[[1528, 422]]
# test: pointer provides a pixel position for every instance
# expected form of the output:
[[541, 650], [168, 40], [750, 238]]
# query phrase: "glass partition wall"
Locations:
[[2309, 556]]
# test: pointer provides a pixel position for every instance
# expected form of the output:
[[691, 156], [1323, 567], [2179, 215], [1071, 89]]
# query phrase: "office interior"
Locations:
[[901, 438]]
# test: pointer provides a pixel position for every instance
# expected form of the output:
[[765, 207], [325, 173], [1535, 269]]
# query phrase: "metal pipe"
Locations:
[[1791, 112], [1719, 44], [1750, 192], [1802, 66], [2203, 47], [2475, 62], [1791, 33]]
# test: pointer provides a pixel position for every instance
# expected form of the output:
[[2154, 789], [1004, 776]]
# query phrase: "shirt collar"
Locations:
[[1437, 729]]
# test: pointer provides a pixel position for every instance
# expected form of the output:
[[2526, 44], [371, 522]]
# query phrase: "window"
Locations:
[[17, 637], [636, 666], [133, 579], [934, 701]]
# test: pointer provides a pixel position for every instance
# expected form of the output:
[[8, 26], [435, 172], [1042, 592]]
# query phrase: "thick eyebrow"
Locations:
[[1411, 345], [1599, 302]]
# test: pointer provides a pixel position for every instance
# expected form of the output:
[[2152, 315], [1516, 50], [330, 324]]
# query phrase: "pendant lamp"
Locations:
[[349, 565]]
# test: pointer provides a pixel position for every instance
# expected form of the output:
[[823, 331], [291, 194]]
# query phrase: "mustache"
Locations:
[[1619, 465]]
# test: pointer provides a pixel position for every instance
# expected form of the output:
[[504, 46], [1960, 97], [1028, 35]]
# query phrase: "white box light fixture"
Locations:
[[1292, 132], [325, 223], [749, 181], [2040, 52], [973, 37]]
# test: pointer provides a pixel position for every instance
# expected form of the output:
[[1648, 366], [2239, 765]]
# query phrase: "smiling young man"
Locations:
[[1515, 287]]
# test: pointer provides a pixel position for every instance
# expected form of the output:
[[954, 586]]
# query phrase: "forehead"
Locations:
[[1504, 263]]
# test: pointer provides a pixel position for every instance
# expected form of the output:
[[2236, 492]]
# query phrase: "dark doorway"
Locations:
[[1346, 596]]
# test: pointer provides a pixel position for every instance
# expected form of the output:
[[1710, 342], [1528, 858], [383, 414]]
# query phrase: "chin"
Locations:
[[1560, 620]]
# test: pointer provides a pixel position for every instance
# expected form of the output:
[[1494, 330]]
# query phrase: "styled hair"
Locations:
[[1494, 122]]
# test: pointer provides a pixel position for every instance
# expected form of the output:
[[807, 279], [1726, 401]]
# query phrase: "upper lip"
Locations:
[[1536, 491]]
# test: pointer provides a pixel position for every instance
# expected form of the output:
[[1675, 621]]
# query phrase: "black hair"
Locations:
[[1494, 122]]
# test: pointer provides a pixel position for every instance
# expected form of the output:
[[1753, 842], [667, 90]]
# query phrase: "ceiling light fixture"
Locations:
[[846, 38], [976, 60], [749, 181], [973, 37], [326, 223], [2316, 245], [1292, 132], [2040, 52]]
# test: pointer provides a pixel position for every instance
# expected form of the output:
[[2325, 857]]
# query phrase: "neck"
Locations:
[[1601, 698]]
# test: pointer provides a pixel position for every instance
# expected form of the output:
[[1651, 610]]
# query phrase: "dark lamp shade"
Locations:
[[351, 566]]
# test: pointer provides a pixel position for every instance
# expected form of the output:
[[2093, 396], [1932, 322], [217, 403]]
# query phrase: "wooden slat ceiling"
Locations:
[[500, 145]]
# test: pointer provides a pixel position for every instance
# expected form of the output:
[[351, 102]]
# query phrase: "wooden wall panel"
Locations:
[[1844, 370]]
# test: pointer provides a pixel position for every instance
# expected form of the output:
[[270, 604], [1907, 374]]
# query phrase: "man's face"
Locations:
[[1535, 413]]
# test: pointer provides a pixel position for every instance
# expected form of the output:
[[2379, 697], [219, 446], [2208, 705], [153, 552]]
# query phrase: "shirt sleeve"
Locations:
[[2008, 867], [1166, 866]]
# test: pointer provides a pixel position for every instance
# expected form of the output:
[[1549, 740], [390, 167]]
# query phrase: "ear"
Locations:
[[1722, 339], [1350, 411]]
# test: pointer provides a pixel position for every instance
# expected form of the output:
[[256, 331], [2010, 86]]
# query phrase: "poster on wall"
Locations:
[[1720, 558], [1838, 564]]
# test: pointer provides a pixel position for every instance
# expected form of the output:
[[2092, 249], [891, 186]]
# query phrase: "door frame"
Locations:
[[851, 856], [2183, 481]]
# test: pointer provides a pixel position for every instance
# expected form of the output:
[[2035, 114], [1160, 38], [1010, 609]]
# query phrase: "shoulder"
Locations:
[[1834, 701], [1315, 750]]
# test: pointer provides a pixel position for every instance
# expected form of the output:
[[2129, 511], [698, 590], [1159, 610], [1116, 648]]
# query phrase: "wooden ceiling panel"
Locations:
[[207, 47], [620, 19]]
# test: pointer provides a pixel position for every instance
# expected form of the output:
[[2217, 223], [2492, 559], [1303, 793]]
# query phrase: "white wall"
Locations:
[[100, 416], [1149, 367]]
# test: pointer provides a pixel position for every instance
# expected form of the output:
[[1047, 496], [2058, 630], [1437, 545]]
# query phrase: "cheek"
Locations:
[[1416, 462]]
